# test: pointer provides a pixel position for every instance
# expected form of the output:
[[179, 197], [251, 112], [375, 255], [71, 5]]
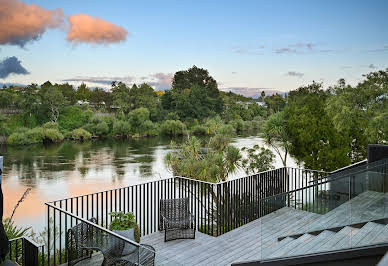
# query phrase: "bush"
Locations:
[[18, 139], [173, 128], [52, 135], [48, 133], [199, 130], [238, 124], [148, 128], [35, 135], [50, 125], [227, 130], [80, 134], [121, 128], [73, 117], [101, 129]]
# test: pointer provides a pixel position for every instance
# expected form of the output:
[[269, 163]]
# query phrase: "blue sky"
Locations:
[[250, 44]]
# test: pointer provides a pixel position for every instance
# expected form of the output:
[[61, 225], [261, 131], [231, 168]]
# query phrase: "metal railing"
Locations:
[[217, 207], [25, 251]]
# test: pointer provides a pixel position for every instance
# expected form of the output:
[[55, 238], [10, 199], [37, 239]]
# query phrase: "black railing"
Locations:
[[25, 251], [218, 207]]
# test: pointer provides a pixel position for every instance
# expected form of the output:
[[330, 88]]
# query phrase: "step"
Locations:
[[303, 240], [322, 237], [268, 251], [373, 232], [382, 236], [344, 234]]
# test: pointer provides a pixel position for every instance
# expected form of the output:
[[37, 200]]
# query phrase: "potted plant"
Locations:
[[125, 225]]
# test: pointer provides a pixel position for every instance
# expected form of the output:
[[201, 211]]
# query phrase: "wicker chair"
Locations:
[[76, 237], [175, 219], [83, 239]]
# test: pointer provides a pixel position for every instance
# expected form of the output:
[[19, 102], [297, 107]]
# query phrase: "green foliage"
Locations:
[[275, 103], [237, 124], [47, 133], [148, 128], [258, 159], [199, 130], [213, 124], [227, 130], [173, 128], [121, 128], [277, 136], [83, 93], [73, 117], [213, 163], [97, 126], [124, 221], [194, 94], [137, 117], [315, 141], [80, 134]]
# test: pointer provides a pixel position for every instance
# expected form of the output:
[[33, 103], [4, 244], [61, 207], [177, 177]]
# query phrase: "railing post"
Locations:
[[30, 253]]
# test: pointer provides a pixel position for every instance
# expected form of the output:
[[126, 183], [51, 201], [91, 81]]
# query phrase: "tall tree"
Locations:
[[315, 141], [83, 93], [194, 94], [53, 100], [121, 98]]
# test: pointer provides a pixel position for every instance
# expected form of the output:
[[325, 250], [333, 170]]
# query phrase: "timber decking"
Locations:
[[258, 240]]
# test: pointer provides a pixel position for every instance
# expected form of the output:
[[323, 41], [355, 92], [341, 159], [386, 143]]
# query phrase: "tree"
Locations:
[[315, 141], [98, 97], [68, 92], [194, 94], [121, 98], [53, 100], [275, 103], [276, 135], [360, 112], [29, 101], [145, 96], [258, 159], [216, 163], [83, 93]]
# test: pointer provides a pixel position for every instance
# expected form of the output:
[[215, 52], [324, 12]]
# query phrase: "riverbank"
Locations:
[[68, 169]]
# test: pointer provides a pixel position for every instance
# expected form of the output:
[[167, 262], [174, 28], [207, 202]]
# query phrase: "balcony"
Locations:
[[272, 216]]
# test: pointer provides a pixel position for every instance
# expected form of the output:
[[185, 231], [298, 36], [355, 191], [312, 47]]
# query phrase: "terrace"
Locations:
[[275, 218]]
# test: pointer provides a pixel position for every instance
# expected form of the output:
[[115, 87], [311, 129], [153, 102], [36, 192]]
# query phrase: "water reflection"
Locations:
[[69, 169]]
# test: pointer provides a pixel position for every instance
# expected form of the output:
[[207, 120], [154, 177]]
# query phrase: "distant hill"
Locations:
[[254, 92]]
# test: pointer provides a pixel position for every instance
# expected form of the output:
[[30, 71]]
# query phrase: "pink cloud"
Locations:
[[21, 23], [84, 28]]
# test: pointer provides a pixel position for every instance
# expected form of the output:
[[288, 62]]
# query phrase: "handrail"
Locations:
[[97, 226], [107, 190], [327, 181], [29, 240]]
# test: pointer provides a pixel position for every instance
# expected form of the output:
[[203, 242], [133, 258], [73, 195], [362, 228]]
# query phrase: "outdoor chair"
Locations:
[[83, 239], [175, 219]]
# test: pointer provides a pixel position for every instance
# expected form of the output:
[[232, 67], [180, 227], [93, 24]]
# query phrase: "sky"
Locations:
[[245, 45]]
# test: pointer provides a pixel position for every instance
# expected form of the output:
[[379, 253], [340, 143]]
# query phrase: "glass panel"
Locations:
[[369, 205]]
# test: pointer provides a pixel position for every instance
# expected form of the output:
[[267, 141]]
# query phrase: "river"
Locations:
[[68, 169]]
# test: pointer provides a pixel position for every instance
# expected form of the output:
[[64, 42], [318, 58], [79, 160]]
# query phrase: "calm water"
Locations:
[[69, 169]]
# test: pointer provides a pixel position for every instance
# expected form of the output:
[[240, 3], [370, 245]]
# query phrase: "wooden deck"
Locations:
[[258, 240]]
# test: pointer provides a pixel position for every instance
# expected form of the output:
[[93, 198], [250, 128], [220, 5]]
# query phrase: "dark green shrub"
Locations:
[[121, 128], [227, 130], [80, 134], [199, 130], [148, 128], [173, 128], [238, 124]]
